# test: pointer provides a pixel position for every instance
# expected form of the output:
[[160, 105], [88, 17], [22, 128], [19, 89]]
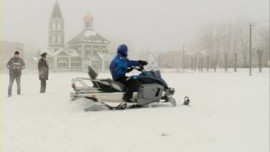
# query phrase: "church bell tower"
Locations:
[[88, 21], [56, 39]]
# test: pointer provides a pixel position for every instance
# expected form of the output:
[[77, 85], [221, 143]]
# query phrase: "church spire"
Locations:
[[56, 13], [56, 37]]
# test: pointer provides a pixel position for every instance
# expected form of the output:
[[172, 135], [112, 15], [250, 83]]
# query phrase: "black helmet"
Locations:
[[43, 54]]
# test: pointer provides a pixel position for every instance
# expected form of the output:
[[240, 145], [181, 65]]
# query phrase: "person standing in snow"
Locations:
[[120, 66], [43, 69], [15, 66]]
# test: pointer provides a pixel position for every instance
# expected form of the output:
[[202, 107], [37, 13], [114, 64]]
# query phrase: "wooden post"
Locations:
[[225, 61], [215, 65], [192, 64], [195, 63], [207, 63], [183, 57], [235, 62], [201, 64], [260, 54]]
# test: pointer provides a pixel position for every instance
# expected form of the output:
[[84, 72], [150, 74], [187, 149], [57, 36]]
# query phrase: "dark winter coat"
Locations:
[[15, 66], [43, 69]]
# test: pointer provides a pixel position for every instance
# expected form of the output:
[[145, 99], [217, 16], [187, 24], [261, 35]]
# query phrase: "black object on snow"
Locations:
[[186, 101]]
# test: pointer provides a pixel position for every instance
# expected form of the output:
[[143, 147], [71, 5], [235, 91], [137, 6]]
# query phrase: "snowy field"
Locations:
[[229, 113]]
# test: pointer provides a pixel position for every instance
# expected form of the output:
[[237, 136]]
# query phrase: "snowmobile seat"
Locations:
[[108, 85], [117, 85]]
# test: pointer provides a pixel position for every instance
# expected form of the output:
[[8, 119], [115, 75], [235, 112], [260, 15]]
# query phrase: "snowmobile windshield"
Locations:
[[152, 66]]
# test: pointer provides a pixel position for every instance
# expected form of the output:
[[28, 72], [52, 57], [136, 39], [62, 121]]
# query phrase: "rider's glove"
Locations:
[[142, 62]]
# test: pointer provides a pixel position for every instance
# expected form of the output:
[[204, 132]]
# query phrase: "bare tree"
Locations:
[[243, 32]]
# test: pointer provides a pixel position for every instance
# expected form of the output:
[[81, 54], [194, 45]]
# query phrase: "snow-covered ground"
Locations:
[[229, 113]]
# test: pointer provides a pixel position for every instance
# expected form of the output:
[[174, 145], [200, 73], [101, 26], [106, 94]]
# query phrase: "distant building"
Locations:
[[7, 51], [56, 38], [89, 45], [86, 48]]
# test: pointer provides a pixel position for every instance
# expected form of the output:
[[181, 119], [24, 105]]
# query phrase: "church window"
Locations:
[[75, 63], [104, 49], [53, 39], [59, 39], [95, 64], [62, 64], [59, 26], [90, 25], [95, 51], [88, 51], [54, 26]]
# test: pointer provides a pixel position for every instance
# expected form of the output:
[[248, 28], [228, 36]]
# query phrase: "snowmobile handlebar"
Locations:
[[138, 68]]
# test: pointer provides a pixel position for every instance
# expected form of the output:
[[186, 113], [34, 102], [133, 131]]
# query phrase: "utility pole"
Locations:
[[250, 46], [183, 57]]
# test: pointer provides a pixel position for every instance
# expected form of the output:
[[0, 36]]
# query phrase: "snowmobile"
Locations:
[[152, 89]]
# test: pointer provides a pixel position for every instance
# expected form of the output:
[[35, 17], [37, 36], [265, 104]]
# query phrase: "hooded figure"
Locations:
[[119, 67], [43, 70], [15, 66]]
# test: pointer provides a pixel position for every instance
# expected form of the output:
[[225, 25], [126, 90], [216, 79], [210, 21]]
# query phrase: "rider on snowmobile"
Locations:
[[121, 65]]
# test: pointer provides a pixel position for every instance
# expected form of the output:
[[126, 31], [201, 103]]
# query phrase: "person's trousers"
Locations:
[[11, 81], [132, 86], [42, 86]]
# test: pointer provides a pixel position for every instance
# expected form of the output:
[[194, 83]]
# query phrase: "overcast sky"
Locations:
[[158, 25]]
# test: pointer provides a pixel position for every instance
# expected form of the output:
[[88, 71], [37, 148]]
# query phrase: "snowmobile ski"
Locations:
[[121, 106]]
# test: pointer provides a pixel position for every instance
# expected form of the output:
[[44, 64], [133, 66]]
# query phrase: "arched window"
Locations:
[[95, 64], [59, 39], [88, 51], [95, 51], [59, 26], [62, 64], [75, 63], [54, 26], [53, 39], [104, 50]]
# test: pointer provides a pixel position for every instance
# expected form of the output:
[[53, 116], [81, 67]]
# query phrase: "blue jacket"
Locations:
[[119, 66]]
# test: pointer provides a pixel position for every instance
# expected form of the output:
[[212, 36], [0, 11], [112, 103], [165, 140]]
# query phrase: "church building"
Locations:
[[86, 48]]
